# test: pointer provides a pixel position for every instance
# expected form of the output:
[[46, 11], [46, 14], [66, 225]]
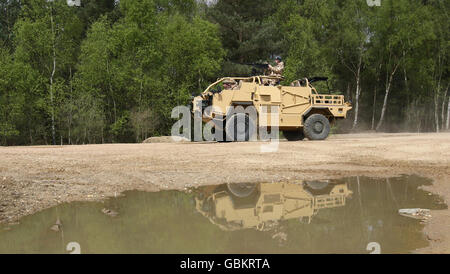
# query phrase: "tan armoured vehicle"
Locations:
[[263, 206], [302, 111]]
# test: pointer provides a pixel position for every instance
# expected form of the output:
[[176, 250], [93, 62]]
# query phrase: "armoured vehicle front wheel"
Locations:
[[294, 135], [317, 127], [240, 127]]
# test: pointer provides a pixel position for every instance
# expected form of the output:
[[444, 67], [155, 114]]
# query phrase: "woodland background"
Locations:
[[111, 71]]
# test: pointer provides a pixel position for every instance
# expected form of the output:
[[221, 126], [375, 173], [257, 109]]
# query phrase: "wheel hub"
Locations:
[[318, 127]]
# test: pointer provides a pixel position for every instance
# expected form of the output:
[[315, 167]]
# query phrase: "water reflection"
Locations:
[[339, 216], [262, 206]]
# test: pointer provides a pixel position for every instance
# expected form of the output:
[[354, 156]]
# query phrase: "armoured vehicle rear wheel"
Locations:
[[294, 135], [240, 127], [317, 127]]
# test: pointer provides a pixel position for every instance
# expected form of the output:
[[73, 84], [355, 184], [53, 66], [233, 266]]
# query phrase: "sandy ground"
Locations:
[[35, 178]]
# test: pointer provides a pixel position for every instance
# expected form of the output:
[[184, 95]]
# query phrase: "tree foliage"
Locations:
[[111, 71]]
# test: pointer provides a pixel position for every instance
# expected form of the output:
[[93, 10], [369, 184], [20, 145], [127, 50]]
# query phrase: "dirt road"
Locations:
[[34, 178]]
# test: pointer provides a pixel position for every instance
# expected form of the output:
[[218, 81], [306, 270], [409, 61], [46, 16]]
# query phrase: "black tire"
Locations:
[[317, 127], [294, 135], [241, 190], [232, 131]]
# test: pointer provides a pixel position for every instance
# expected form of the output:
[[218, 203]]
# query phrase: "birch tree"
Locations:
[[47, 37], [402, 28], [352, 37]]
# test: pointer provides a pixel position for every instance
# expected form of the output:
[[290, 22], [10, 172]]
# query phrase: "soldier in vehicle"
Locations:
[[275, 71], [278, 69], [230, 84]]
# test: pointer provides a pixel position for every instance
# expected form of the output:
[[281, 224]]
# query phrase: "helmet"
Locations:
[[229, 81], [278, 58]]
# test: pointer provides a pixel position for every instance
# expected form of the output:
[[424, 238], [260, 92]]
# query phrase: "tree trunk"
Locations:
[[358, 91], [436, 107], [31, 135], [383, 110], [405, 78], [443, 108], [140, 130], [51, 80], [111, 90], [374, 107], [448, 114], [70, 109], [386, 95]]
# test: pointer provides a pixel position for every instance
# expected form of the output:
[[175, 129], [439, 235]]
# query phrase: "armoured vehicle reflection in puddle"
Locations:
[[263, 206], [340, 216]]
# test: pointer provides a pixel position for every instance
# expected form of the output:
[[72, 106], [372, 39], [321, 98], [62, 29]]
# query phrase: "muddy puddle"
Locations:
[[353, 215]]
